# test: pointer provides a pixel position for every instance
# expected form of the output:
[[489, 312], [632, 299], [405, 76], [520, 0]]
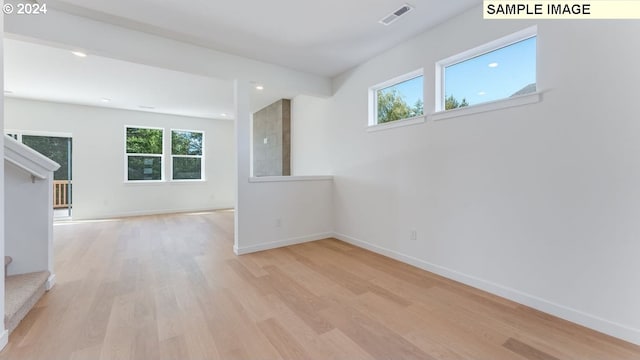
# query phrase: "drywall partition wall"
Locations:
[[28, 209], [286, 210], [536, 203], [99, 189], [275, 211], [272, 140], [309, 127]]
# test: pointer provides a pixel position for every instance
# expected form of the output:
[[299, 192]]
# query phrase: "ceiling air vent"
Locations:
[[389, 19]]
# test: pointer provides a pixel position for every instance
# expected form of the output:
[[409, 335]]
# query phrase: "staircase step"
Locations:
[[21, 293]]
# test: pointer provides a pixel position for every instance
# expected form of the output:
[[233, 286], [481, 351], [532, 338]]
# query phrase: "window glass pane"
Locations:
[[400, 101], [55, 148], [499, 74], [186, 143], [144, 168], [144, 141], [187, 168]]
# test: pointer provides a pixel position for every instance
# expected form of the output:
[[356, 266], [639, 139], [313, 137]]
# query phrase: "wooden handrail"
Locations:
[[60, 191]]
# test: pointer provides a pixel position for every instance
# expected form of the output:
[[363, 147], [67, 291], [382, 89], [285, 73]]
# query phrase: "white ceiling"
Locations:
[[324, 37], [47, 73], [320, 37]]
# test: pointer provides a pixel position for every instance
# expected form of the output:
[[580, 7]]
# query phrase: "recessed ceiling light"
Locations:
[[493, 64], [79, 53], [105, 100], [259, 87], [223, 115], [146, 107], [481, 93]]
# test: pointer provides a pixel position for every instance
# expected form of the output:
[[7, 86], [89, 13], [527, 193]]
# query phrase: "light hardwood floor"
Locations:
[[170, 287]]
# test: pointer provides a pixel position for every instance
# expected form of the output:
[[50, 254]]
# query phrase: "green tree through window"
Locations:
[[144, 153], [55, 148], [452, 103], [186, 154], [397, 99]]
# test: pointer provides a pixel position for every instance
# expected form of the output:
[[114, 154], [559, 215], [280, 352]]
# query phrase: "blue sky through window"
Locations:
[[495, 75], [411, 90]]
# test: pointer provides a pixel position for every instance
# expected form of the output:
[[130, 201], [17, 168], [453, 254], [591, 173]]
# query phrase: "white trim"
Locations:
[[28, 159], [4, 338], [281, 243], [397, 123], [38, 133], [51, 281], [262, 179], [373, 90], [201, 156], [620, 331], [161, 156], [488, 106], [490, 46], [500, 43], [163, 183], [183, 181]]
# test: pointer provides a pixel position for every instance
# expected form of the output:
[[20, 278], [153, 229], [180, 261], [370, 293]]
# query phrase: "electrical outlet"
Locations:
[[278, 222], [413, 235]]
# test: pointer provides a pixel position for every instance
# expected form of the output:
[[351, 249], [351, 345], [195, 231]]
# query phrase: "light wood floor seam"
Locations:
[[170, 287]]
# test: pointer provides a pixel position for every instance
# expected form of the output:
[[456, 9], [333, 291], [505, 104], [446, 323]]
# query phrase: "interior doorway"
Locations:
[[59, 148]]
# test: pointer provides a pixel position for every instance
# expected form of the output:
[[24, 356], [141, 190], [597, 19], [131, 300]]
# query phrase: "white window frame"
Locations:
[[201, 157], [161, 156], [503, 42], [373, 103]]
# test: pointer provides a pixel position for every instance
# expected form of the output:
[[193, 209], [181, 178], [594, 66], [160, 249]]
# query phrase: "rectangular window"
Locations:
[[502, 69], [397, 99], [187, 154], [144, 153]]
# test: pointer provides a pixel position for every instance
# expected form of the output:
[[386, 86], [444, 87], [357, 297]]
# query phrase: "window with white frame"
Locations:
[[397, 99], [502, 69], [144, 153], [187, 154]]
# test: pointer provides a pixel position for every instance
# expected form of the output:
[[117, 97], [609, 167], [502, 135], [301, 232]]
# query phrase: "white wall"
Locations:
[[98, 159], [271, 214], [28, 223], [285, 212], [4, 334], [309, 130], [537, 203]]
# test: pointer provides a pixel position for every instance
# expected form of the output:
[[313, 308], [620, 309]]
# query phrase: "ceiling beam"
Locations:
[[73, 32]]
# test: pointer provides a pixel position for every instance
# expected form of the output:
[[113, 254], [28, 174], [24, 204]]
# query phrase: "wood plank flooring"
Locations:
[[170, 287]]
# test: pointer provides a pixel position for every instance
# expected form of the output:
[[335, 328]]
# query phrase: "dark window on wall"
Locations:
[[144, 154], [187, 155]]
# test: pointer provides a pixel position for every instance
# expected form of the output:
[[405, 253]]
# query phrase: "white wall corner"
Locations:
[[281, 243], [51, 281], [4, 339]]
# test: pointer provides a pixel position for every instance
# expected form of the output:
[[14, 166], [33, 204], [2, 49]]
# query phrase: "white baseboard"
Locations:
[[281, 243], [51, 281], [617, 330], [4, 339]]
